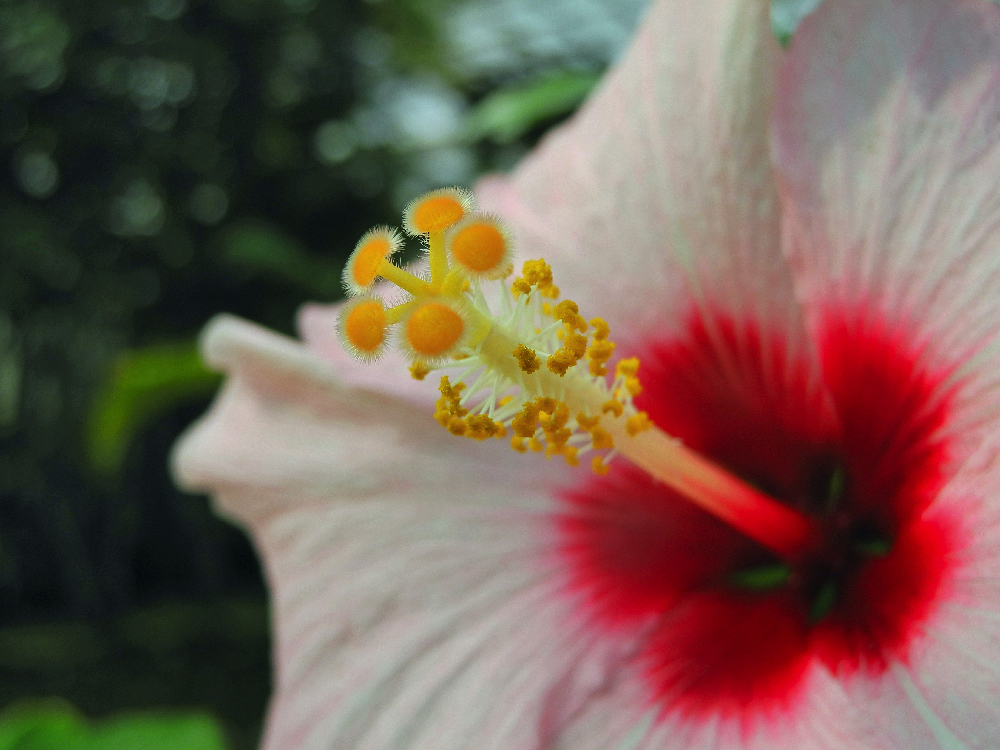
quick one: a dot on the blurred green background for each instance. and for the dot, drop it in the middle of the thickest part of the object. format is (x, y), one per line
(162, 161)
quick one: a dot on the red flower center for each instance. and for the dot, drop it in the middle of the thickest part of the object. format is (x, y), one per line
(858, 443)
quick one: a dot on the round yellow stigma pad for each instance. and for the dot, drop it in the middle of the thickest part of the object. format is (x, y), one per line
(363, 327)
(363, 266)
(434, 329)
(481, 245)
(436, 211)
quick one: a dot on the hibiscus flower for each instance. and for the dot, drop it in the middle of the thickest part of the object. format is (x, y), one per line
(802, 249)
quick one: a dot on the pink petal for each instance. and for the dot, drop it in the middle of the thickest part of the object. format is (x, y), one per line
(887, 141)
(415, 601)
(945, 696)
(286, 423)
(659, 193)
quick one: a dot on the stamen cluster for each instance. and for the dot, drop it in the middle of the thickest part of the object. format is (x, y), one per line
(537, 367)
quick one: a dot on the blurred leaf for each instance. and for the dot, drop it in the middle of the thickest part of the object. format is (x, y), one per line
(144, 383)
(786, 15)
(56, 725)
(507, 114)
(37, 725)
(47, 647)
(194, 731)
(265, 249)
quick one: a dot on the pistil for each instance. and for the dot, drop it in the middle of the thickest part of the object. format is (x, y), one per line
(537, 368)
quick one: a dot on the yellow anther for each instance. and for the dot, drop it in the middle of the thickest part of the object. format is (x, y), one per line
(519, 287)
(587, 423)
(368, 257)
(577, 344)
(449, 391)
(599, 353)
(522, 427)
(547, 309)
(437, 210)
(363, 327)
(627, 368)
(482, 246)
(601, 439)
(614, 407)
(598, 466)
(419, 371)
(546, 404)
(558, 438)
(456, 426)
(601, 329)
(570, 454)
(450, 402)
(560, 417)
(536, 445)
(601, 350)
(569, 313)
(525, 422)
(481, 427)
(518, 443)
(434, 330)
(560, 361)
(526, 358)
(572, 351)
(504, 400)
(637, 423)
(537, 272)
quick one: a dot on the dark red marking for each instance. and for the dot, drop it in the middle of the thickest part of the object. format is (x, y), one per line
(644, 559)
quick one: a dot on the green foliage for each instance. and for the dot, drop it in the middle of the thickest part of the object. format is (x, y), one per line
(32, 42)
(263, 248)
(786, 15)
(144, 384)
(508, 113)
(55, 725)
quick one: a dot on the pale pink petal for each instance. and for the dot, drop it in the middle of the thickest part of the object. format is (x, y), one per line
(400, 628)
(416, 603)
(945, 696)
(286, 422)
(887, 141)
(659, 194)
